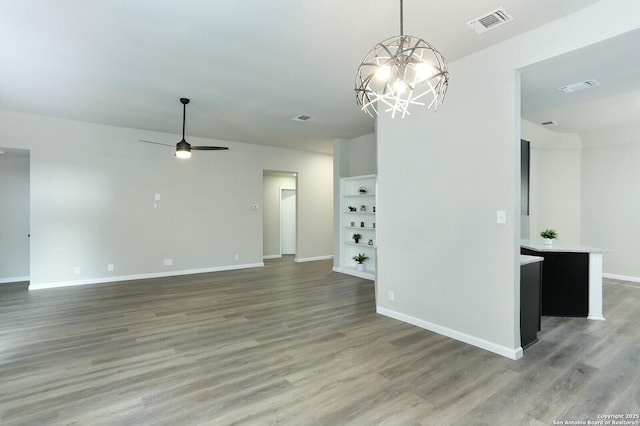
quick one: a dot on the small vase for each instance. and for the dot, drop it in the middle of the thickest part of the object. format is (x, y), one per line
(360, 267)
(548, 241)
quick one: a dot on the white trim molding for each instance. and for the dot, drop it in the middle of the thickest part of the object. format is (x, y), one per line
(313, 259)
(104, 280)
(622, 277)
(272, 256)
(510, 353)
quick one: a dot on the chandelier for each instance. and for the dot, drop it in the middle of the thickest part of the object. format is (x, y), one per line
(401, 71)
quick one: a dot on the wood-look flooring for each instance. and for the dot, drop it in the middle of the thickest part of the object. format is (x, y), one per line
(292, 344)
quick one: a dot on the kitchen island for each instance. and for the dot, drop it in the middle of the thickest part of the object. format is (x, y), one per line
(571, 278)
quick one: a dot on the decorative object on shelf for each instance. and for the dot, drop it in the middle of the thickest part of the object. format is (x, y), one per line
(374, 209)
(361, 224)
(356, 238)
(363, 208)
(374, 224)
(363, 190)
(370, 242)
(352, 209)
(353, 223)
(549, 235)
(401, 71)
(360, 258)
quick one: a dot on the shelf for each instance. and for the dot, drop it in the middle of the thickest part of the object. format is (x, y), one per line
(351, 270)
(351, 197)
(351, 243)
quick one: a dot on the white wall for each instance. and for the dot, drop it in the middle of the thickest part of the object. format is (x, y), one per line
(92, 202)
(14, 216)
(271, 210)
(452, 268)
(555, 182)
(611, 198)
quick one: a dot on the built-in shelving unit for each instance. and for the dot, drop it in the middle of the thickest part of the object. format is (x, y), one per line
(357, 216)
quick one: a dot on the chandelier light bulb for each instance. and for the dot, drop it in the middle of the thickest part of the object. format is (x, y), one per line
(399, 87)
(383, 73)
(424, 71)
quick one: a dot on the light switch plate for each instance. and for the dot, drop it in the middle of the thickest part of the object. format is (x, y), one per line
(501, 216)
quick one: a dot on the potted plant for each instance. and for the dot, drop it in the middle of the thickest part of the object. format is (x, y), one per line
(356, 237)
(360, 258)
(549, 235)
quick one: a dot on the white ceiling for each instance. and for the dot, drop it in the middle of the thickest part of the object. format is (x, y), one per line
(614, 63)
(248, 66)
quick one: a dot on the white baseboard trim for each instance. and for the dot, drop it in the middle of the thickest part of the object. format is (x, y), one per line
(272, 256)
(103, 280)
(313, 259)
(454, 334)
(13, 280)
(621, 277)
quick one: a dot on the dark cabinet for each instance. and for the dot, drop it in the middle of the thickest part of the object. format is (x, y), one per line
(530, 276)
(565, 283)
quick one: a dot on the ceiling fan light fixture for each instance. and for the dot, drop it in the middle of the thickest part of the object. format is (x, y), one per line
(183, 149)
(401, 71)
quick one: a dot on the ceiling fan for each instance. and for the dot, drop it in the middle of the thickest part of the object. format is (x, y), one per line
(183, 148)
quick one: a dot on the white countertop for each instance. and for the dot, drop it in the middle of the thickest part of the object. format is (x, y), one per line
(539, 245)
(525, 259)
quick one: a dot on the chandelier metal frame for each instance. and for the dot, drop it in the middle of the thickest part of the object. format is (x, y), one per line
(401, 71)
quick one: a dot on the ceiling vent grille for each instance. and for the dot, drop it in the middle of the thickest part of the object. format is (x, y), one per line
(587, 84)
(302, 117)
(490, 20)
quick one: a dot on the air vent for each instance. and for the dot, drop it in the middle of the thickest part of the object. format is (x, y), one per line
(302, 117)
(490, 20)
(587, 84)
(549, 123)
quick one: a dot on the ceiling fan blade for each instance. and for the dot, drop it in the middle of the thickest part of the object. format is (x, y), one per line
(156, 143)
(209, 148)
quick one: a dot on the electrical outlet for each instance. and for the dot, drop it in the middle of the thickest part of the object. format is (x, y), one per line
(76, 270)
(501, 216)
(236, 257)
(109, 267)
(167, 262)
(392, 296)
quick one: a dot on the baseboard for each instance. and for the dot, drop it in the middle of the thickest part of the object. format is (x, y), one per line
(13, 280)
(454, 334)
(272, 256)
(621, 277)
(103, 280)
(313, 259)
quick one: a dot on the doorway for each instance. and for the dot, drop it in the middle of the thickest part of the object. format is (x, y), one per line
(287, 221)
(279, 220)
(15, 223)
